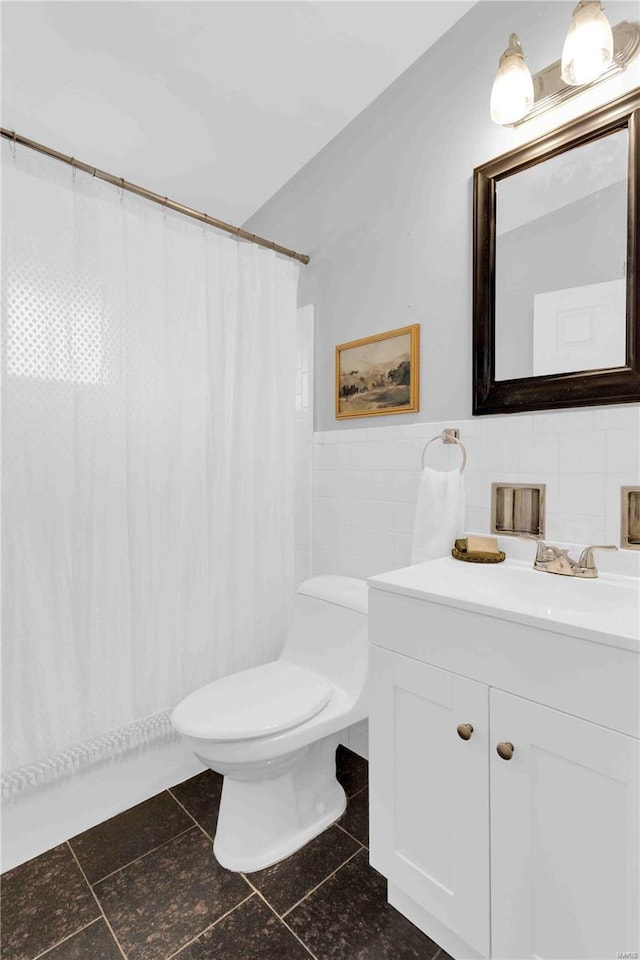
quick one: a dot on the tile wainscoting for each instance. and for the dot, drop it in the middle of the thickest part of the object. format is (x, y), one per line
(365, 482)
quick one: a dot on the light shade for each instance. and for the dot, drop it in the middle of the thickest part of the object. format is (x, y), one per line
(512, 91)
(588, 48)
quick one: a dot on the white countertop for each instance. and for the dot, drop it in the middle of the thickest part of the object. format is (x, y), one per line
(605, 609)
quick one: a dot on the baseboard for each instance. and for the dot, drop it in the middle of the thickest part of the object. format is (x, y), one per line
(45, 816)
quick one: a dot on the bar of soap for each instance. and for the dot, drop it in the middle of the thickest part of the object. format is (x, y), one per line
(482, 545)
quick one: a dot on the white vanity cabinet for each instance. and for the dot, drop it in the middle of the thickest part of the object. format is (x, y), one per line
(429, 790)
(564, 835)
(528, 854)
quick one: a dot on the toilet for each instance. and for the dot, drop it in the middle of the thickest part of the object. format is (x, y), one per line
(272, 731)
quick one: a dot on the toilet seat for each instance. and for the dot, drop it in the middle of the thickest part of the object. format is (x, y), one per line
(253, 703)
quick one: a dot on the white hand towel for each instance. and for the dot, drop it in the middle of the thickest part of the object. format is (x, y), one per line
(439, 514)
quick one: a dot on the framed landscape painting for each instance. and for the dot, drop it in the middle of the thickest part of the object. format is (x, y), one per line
(378, 375)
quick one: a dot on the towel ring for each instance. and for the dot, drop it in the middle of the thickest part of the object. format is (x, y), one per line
(448, 436)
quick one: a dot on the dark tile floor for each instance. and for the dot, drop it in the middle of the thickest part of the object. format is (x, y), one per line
(144, 885)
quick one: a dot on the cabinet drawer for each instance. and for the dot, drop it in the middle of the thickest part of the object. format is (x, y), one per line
(580, 677)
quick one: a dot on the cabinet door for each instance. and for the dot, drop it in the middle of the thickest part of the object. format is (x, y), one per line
(430, 790)
(564, 835)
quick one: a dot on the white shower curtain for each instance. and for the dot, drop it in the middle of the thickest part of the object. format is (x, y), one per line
(148, 424)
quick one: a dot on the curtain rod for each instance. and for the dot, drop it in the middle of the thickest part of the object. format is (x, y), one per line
(155, 197)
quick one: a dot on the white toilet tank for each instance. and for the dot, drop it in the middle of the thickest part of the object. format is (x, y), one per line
(328, 632)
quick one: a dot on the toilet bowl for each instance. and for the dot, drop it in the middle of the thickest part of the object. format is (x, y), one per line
(272, 731)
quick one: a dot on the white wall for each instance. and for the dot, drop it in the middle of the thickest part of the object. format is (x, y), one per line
(366, 483)
(385, 210)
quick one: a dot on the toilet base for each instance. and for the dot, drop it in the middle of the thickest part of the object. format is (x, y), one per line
(264, 820)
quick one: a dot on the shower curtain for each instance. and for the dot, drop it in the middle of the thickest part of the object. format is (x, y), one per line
(148, 423)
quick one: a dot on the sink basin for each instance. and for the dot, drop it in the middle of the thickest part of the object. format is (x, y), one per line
(606, 609)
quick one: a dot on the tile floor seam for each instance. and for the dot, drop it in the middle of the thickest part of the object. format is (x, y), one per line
(280, 919)
(354, 795)
(351, 836)
(328, 877)
(189, 814)
(136, 859)
(64, 939)
(98, 904)
(210, 927)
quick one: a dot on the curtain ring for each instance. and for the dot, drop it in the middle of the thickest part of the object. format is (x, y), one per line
(13, 144)
(73, 169)
(164, 208)
(122, 183)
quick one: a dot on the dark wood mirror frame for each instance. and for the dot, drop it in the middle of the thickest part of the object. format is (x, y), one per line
(614, 385)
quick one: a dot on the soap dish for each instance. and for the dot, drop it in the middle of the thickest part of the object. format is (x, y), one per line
(459, 552)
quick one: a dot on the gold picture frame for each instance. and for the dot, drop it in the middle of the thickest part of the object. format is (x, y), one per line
(379, 375)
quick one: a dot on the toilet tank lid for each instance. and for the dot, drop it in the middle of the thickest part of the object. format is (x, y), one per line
(344, 591)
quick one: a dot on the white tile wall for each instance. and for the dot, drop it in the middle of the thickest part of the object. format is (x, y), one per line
(304, 443)
(365, 481)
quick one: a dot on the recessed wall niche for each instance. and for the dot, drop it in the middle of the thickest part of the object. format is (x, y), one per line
(517, 509)
(630, 526)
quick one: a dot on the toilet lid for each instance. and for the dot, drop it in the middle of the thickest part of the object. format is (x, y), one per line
(253, 703)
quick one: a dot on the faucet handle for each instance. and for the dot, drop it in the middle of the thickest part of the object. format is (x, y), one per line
(586, 557)
(544, 551)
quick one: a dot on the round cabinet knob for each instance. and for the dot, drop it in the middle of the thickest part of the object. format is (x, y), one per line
(505, 750)
(464, 731)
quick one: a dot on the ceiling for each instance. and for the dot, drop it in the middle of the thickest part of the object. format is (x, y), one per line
(215, 103)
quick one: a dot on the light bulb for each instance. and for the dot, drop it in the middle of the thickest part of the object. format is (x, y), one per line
(588, 48)
(512, 91)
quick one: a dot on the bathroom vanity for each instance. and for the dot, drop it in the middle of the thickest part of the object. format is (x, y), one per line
(504, 751)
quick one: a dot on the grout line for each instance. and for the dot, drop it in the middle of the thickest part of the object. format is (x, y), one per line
(104, 916)
(363, 845)
(189, 814)
(210, 927)
(135, 860)
(357, 793)
(344, 829)
(328, 877)
(280, 919)
(64, 939)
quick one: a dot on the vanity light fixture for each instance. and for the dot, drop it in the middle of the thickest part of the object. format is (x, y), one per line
(592, 52)
(588, 48)
(512, 92)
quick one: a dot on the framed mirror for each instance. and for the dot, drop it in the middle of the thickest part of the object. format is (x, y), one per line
(556, 319)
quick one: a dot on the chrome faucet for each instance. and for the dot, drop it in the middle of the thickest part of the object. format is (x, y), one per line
(552, 559)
